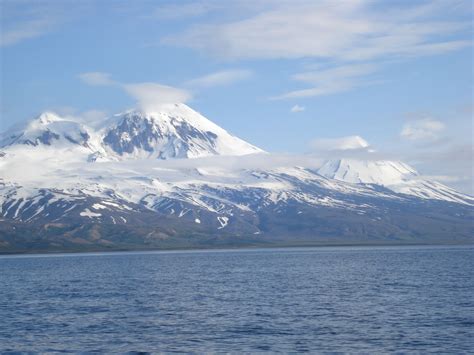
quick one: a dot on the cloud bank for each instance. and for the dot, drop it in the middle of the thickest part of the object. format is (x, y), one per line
(349, 30)
(353, 36)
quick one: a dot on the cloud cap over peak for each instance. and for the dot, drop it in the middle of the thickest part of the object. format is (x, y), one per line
(152, 96)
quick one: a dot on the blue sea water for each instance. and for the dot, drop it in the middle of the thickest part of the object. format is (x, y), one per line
(347, 299)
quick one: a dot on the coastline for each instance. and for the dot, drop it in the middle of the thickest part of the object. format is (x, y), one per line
(224, 248)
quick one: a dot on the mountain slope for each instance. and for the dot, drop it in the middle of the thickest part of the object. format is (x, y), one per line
(67, 185)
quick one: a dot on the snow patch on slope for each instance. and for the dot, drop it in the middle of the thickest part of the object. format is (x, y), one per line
(88, 213)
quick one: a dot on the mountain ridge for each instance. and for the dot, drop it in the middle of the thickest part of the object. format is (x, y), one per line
(159, 176)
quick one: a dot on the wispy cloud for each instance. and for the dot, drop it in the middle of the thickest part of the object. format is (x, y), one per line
(26, 30)
(349, 30)
(352, 36)
(220, 78)
(150, 96)
(297, 108)
(330, 81)
(97, 78)
(422, 130)
(451, 163)
(339, 144)
(28, 19)
(440, 145)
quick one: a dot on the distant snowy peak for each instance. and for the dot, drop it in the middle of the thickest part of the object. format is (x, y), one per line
(395, 176)
(382, 172)
(46, 130)
(176, 131)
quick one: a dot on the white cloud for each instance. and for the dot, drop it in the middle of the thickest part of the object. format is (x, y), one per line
(28, 19)
(450, 163)
(342, 33)
(250, 161)
(331, 80)
(339, 144)
(219, 78)
(440, 150)
(151, 96)
(423, 129)
(96, 78)
(297, 108)
(349, 30)
(317, 77)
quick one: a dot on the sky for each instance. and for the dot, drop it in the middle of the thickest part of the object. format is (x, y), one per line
(286, 76)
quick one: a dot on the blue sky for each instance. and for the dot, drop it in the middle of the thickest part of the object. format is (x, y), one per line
(280, 74)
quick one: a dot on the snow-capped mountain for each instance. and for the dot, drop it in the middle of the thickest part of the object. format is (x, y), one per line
(176, 131)
(394, 175)
(383, 172)
(119, 183)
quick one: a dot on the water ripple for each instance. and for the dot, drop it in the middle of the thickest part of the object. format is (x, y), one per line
(415, 299)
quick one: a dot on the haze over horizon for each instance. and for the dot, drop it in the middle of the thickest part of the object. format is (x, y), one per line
(289, 77)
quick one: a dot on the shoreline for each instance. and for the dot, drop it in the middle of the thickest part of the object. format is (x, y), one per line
(224, 248)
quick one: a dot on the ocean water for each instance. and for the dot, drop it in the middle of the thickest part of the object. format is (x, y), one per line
(349, 299)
